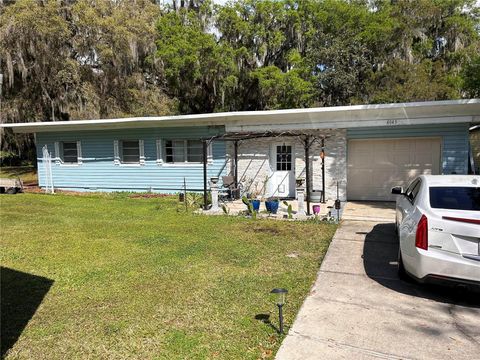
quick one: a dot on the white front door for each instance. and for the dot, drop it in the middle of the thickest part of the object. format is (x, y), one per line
(282, 165)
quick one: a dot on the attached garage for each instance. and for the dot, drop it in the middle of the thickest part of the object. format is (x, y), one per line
(375, 166)
(379, 158)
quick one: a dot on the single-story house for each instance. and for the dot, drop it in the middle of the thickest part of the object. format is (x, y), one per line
(364, 149)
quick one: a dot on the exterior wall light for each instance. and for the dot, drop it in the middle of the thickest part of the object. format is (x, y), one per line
(281, 294)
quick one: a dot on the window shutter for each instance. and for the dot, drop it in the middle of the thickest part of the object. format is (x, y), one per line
(159, 151)
(58, 156)
(79, 152)
(116, 152)
(141, 149)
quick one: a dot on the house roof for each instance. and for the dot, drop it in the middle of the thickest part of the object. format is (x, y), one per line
(429, 112)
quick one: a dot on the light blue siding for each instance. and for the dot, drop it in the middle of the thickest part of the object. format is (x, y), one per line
(98, 171)
(454, 141)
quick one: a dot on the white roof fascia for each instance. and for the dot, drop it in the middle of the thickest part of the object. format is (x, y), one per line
(449, 111)
(347, 124)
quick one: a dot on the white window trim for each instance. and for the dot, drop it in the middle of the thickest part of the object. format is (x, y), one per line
(79, 153)
(141, 146)
(183, 164)
(58, 159)
(116, 153)
(130, 165)
(210, 153)
(159, 144)
(58, 154)
(161, 154)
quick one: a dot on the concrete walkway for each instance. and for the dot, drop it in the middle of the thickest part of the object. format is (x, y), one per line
(359, 309)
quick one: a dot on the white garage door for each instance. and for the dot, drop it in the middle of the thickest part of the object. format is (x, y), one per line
(375, 166)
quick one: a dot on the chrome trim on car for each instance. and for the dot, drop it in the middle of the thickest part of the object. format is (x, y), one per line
(472, 257)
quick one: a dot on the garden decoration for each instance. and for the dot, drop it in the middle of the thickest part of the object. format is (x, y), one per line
(281, 294)
(214, 193)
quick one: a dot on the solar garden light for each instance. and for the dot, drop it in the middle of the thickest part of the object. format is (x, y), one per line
(280, 293)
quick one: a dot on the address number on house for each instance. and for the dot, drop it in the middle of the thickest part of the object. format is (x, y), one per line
(392, 122)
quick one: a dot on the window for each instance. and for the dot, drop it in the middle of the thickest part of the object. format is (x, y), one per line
(129, 152)
(410, 187)
(413, 190)
(68, 152)
(284, 157)
(181, 151)
(455, 198)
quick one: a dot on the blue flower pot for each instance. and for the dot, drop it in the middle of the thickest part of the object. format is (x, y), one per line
(255, 205)
(272, 206)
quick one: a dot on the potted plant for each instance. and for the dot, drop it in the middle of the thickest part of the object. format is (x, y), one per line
(251, 199)
(255, 204)
(272, 204)
(252, 204)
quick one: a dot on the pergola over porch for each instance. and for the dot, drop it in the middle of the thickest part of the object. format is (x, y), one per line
(306, 138)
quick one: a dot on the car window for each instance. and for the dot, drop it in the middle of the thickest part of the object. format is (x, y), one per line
(413, 190)
(455, 198)
(413, 194)
(410, 187)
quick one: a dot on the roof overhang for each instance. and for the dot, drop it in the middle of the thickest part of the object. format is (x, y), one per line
(429, 112)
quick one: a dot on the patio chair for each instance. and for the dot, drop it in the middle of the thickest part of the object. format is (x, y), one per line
(232, 190)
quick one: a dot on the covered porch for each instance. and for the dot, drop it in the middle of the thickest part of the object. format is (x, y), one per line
(269, 164)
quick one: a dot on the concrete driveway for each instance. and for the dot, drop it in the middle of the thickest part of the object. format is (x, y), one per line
(359, 309)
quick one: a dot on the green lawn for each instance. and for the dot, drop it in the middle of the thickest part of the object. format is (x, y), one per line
(140, 279)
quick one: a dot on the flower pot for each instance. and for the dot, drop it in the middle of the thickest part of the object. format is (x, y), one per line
(316, 209)
(255, 205)
(272, 206)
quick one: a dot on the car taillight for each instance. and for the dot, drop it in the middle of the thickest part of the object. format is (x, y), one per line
(421, 237)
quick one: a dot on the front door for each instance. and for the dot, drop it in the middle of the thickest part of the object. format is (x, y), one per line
(282, 165)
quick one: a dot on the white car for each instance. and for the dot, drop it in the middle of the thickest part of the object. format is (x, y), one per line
(438, 225)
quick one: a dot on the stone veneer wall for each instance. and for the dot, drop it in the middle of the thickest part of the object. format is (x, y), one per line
(254, 161)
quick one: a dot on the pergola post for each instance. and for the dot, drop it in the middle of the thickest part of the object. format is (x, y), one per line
(307, 172)
(205, 190)
(323, 170)
(235, 166)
